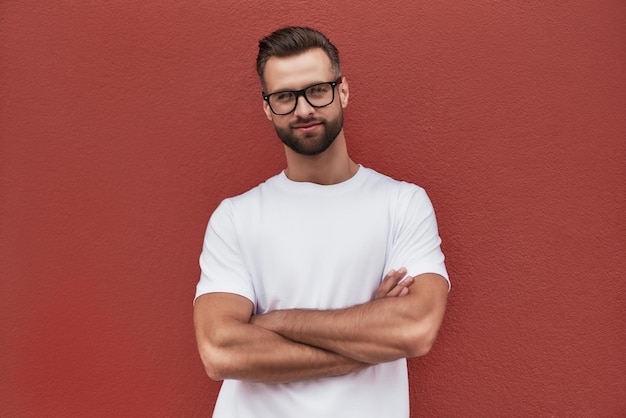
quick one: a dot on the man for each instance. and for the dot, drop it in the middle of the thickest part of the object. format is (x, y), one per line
(292, 310)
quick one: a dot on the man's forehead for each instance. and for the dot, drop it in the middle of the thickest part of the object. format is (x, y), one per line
(297, 71)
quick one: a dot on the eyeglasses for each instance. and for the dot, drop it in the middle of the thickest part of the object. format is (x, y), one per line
(317, 95)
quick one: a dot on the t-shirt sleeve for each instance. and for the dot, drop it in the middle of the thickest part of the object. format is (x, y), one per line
(222, 268)
(416, 242)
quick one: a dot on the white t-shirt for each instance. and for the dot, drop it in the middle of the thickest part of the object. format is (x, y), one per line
(287, 244)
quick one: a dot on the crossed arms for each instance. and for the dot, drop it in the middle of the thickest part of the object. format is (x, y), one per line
(401, 321)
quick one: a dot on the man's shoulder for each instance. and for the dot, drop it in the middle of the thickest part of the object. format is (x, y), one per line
(384, 181)
(254, 193)
(243, 203)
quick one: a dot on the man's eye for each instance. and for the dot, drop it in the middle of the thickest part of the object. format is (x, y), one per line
(283, 97)
(318, 89)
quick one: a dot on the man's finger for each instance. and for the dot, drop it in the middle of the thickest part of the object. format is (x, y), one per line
(401, 288)
(389, 283)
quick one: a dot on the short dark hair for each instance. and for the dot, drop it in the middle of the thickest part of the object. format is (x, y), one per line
(294, 40)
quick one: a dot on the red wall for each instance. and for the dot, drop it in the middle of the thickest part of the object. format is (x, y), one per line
(124, 123)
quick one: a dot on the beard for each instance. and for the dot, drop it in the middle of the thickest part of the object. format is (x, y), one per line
(311, 143)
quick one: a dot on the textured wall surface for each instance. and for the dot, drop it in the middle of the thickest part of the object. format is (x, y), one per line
(124, 123)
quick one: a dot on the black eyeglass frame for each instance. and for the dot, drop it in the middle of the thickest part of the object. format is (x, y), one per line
(301, 92)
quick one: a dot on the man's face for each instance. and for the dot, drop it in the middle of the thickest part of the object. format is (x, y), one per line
(307, 130)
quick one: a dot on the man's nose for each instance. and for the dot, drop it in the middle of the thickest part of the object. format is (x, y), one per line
(303, 108)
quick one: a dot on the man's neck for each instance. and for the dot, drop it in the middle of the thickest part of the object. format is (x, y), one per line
(333, 166)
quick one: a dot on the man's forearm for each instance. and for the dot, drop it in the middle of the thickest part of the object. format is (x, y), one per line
(362, 333)
(263, 356)
(233, 349)
(382, 330)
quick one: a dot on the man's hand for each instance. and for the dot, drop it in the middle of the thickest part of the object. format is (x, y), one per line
(393, 285)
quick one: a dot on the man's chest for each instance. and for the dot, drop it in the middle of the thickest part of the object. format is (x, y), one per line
(317, 257)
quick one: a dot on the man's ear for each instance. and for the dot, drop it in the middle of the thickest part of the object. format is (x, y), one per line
(266, 109)
(344, 92)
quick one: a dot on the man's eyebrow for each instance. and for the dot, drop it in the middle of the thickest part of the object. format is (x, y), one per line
(305, 87)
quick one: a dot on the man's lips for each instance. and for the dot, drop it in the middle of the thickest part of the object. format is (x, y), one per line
(306, 126)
